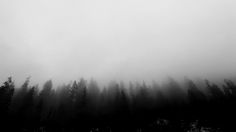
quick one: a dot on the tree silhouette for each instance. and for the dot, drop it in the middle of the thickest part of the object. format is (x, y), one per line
(92, 98)
(47, 100)
(214, 90)
(25, 112)
(19, 95)
(82, 106)
(174, 93)
(229, 88)
(81, 96)
(6, 93)
(194, 94)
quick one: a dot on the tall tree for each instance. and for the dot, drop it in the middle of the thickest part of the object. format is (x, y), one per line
(194, 94)
(6, 93)
(46, 97)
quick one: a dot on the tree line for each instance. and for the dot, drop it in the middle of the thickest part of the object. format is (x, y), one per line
(83, 105)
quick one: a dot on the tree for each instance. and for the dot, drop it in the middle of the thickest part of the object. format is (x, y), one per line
(229, 88)
(6, 93)
(26, 109)
(74, 92)
(175, 93)
(92, 97)
(18, 98)
(82, 94)
(214, 91)
(46, 92)
(46, 97)
(194, 94)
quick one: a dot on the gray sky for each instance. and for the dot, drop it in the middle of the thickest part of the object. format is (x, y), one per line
(126, 40)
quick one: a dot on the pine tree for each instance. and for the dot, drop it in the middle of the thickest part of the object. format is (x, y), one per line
(6, 93)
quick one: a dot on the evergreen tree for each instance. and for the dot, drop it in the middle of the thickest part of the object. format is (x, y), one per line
(194, 94)
(6, 93)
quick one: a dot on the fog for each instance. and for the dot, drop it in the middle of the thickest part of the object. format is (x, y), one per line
(129, 40)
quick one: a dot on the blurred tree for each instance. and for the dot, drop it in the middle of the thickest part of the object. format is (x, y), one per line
(26, 109)
(74, 91)
(194, 94)
(6, 93)
(214, 91)
(46, 92)
(18, 98)
(175, 93)
(46, 95)
(92, 97)
(82, 91)
(229, 88)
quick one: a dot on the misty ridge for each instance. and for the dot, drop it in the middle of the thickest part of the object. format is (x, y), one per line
(138, 107)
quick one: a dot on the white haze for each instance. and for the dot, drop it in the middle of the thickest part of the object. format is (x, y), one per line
(129, 40)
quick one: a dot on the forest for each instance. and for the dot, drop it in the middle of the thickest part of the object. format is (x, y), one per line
(83, 106)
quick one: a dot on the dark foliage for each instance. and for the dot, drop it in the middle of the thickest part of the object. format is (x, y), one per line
(6, 92)
(83, 106)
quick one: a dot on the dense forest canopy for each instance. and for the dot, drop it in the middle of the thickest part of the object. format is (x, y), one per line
(117, 106)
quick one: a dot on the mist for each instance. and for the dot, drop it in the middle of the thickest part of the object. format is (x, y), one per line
(129, 40)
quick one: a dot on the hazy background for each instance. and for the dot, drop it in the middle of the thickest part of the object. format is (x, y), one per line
(130, 40)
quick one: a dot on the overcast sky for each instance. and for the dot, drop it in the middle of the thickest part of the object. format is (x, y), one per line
(130, 40)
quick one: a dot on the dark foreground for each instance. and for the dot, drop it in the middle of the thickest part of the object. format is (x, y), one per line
(82, 106)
